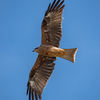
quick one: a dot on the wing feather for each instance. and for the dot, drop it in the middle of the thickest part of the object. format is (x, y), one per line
(51, 24)
(56, 4)
(29, 94)
(59, 5)
(39, 76)
(36, 96)
(32, 95)
(53, 4)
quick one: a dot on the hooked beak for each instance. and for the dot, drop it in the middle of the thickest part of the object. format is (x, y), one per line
(32, 50)
(35, 49)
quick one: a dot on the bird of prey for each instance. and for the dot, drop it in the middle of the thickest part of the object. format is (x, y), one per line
(48, 50)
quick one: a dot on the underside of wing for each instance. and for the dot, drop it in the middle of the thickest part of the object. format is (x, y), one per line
(39, 76)
(51, 24)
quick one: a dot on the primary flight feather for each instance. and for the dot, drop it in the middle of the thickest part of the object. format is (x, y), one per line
(48, 50)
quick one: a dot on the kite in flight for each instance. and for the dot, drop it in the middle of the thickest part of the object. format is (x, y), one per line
(48, 50)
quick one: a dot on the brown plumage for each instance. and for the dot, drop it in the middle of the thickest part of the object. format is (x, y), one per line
(48, 50)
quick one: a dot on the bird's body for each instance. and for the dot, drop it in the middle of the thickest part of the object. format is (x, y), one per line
(48, 50)
(51, 51)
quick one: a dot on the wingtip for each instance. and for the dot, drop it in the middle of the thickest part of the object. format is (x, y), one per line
(54, 6)
(36, 96)
(27, 88)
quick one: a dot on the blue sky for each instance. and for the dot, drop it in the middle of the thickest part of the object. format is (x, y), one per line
(20, 33)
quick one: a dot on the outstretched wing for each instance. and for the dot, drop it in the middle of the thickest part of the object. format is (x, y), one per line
(39, 76)
(51, 24)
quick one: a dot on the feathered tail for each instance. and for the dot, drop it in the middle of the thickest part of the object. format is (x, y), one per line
(70, 54)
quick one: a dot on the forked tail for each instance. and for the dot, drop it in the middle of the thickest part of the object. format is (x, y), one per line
(70, 54)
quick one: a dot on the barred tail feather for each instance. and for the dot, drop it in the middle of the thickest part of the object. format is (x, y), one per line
(70, 54)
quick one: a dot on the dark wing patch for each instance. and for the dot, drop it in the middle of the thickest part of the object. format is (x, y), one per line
(51, 24)
(39, 76)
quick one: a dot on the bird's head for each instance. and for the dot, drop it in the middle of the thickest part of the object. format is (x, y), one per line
(35, 50)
